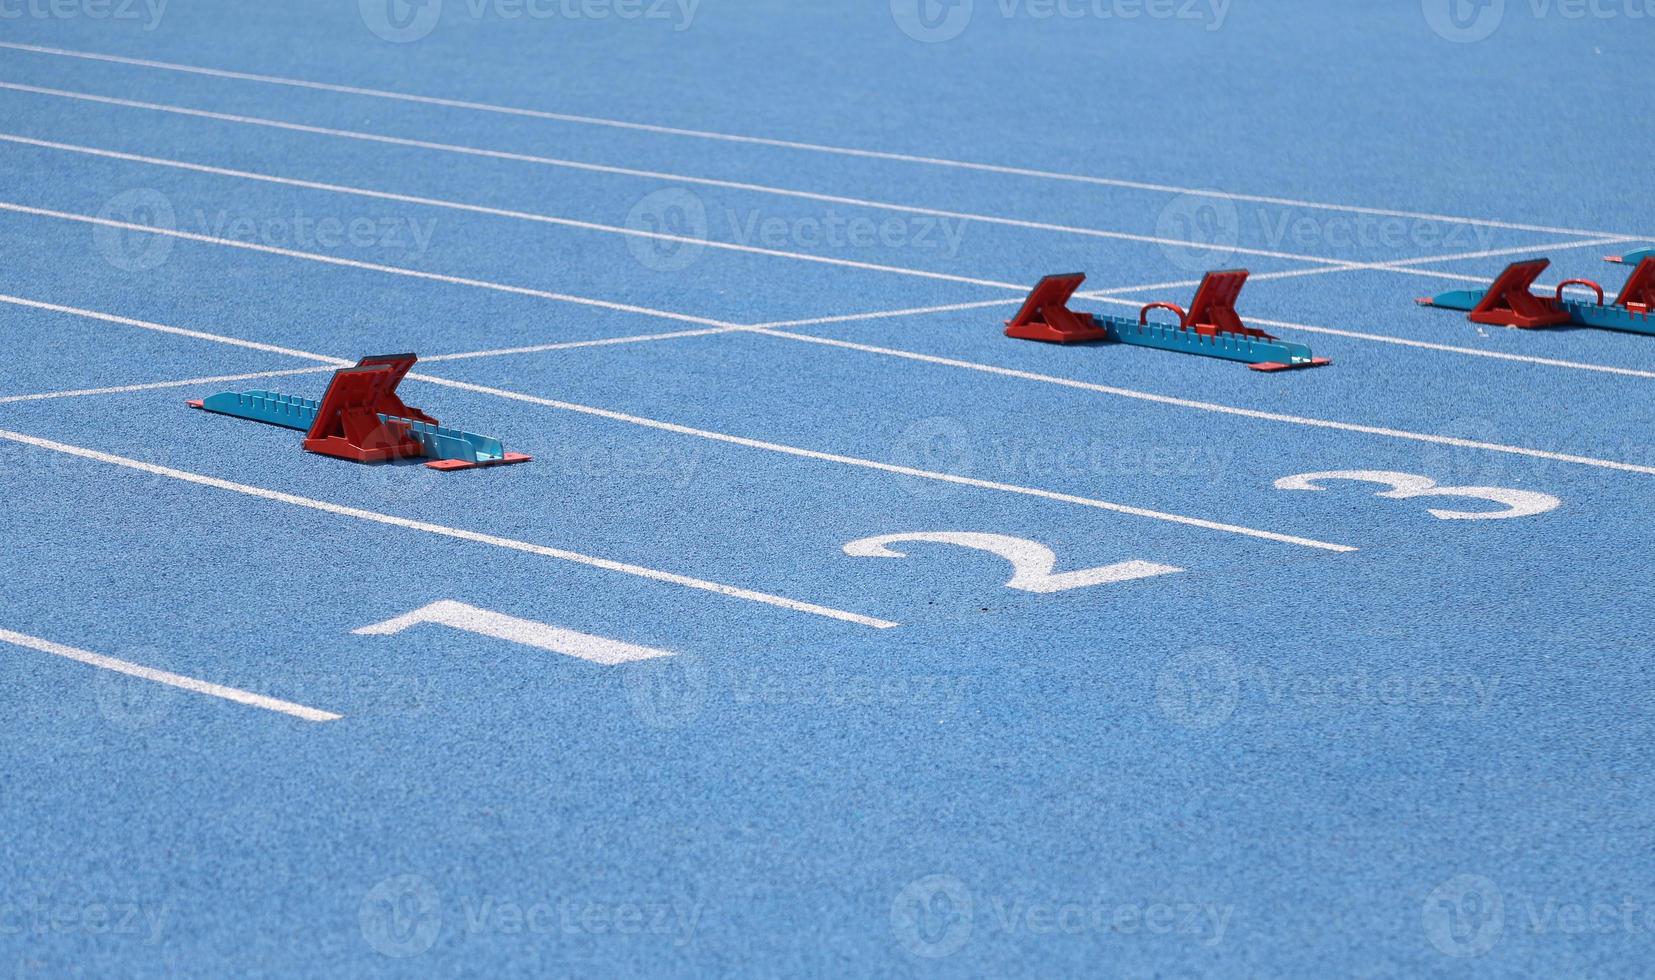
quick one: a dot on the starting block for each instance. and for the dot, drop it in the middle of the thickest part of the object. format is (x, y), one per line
(1631, 258)
(1509, 302)
(361, 418)
(1209, 328)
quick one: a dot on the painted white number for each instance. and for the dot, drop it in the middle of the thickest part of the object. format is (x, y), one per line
(499, 626)
(1518, 503)
(1031, 561)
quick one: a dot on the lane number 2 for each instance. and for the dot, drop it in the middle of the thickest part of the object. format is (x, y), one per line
(1032, 563)
(1403, 486)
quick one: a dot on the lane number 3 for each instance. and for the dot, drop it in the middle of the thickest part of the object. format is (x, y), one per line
(1403, 486)
(1033, 564)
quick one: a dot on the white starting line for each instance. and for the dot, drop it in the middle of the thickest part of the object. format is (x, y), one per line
(166, 677)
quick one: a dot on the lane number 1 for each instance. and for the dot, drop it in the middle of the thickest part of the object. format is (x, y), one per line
(499, 626)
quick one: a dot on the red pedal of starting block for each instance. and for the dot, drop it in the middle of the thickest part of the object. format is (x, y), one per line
(1510, 303)
(1639, 292)
(1046, 315)
(1213, 310)
(348, 424)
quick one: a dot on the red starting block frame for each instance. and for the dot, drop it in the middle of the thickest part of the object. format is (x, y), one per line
(1638, 295)
(348, 423)
(1046, 316)
(1213, 310)
(1510, 302)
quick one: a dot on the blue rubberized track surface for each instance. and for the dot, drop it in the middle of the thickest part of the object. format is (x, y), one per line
(1350, 737)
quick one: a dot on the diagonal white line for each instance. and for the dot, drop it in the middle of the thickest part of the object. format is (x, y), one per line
(330, 362)
(576, 344)
(354, 264)
(787, 144)
(1400, 265)
(427, 527)
(165, 677)
(1146, 396)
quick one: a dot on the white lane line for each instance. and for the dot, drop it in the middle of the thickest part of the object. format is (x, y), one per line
(424, 360)
(161, 385)
(662, 176)
(354, 264)
(536, 217)
(164, 677)
(499, 626)
(427, 527)
(857, 461)
(1210, 406)
(785, 144)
